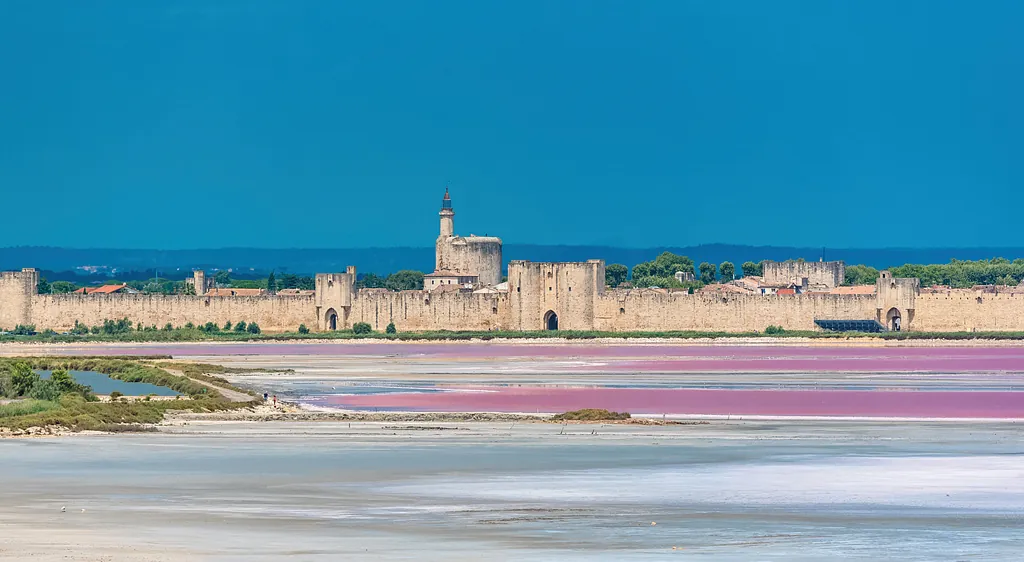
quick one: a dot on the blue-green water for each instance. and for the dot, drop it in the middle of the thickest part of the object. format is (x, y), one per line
(103, 384)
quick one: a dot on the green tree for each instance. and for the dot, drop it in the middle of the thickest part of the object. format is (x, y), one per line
(860, 275)
(727, 271)
(222, 278)
(43, 287)
(751, 269)
(707, 273)
(303, 329)
(1006, 280)
(391, 328)
(271, 284)
(227, 326)
(22, 378)
(405, 280)
(240, 327)
(63, 287)
(371, 281)
(253, 328)
(615, 274)
(64, 383)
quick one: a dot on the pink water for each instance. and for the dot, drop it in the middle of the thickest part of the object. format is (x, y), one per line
(954, 404)
(638, 360)
(625, 358)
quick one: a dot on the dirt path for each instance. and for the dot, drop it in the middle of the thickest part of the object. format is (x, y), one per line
(232, 395)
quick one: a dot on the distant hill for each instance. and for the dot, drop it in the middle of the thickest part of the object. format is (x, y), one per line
(256, 262)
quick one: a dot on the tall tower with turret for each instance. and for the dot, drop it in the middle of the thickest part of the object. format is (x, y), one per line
(447, 216)
(476, 257)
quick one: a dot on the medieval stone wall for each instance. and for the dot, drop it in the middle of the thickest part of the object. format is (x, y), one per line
(566, 289)
(647, 310)
(272, 313)
(423, 310)
(829, 274)
(16, 290)
(968, 311)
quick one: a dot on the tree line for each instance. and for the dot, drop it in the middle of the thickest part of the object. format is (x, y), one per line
(959, 274)
(661, 272)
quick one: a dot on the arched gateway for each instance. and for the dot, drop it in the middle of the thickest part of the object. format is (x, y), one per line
(331, 319)
(551, 320)
(893, 320)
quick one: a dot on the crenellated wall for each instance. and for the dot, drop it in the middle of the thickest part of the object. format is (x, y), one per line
(651, 310)
(969, 311)
(422, 310)
(827, 274)
(572, 293)
(272, 313)
(566, 289)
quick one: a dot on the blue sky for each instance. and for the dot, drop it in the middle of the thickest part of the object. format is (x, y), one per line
(337, 124)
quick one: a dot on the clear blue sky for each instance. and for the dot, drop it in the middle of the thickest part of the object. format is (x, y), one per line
(266, 123)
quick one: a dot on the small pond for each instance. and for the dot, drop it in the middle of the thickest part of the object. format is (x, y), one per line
(102, 384)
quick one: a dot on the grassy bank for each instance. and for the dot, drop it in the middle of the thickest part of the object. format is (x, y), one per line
(195, 335)
(76, 413)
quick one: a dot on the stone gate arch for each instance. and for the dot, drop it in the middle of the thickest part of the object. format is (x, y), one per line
(550, 320)
(894, 320)
(331, 319)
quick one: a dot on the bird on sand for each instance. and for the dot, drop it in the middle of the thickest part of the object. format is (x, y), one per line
(63, 509)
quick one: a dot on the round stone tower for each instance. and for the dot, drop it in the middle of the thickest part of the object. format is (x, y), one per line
(478, 256)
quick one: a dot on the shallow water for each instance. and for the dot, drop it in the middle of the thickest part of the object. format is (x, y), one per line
(739, 491)
(103, 384)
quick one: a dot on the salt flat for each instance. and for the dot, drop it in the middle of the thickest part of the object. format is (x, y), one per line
(328, 491)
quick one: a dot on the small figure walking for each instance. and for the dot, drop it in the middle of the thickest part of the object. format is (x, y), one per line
(266, 397)
(275, 400)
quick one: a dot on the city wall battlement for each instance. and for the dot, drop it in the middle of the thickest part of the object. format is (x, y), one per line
(536, 296)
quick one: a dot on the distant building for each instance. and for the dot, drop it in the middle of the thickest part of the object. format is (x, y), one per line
(106, 290)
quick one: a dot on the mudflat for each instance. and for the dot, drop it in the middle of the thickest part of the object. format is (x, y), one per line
(469, 491)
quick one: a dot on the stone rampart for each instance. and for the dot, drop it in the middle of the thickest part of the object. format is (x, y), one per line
(647, 310)
(968, 311)
(16, 290)
(826, 274)
(272, 313)
(423, 310)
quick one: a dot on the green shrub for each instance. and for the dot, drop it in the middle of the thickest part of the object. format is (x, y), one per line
(26, 407)
(227, 326)
(240, 327)
(362, 328)
(253, 328)
(115, 395)
(391, 328)
(774, 330)
(303, 329)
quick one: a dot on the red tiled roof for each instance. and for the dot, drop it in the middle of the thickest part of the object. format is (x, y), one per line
(104, 290)
(786, 292)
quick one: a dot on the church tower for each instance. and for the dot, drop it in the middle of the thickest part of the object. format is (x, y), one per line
(447, 216)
